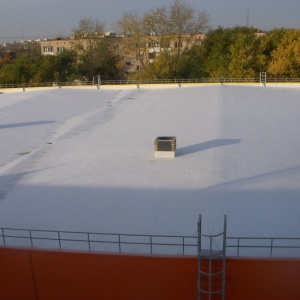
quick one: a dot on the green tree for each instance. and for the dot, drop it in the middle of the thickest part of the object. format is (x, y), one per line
(264, 47)
(66, 66)
(216, 52)
(230, 52)
(242, 53)
(47, 67)
(96, 54)
(59, 68)
(20, 71)
(99, 60)
(192, 64)
(286, 57)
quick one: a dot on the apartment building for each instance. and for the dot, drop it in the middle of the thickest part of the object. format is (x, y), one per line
(55, 46)
(153, 44)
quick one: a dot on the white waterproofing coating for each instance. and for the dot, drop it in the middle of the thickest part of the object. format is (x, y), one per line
(83, 160)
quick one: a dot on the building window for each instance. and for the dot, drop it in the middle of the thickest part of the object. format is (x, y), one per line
(178, 44)
(48, 50)
(60, 49)
(153, 44)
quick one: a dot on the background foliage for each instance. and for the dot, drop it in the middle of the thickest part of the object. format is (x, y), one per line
(238, 52)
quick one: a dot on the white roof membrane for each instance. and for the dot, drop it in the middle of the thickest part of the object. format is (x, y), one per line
(83, 160)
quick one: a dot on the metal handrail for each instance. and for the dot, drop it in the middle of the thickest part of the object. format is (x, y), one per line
(45, 84)
(153, 244)
(90, 238)
(151, 81)
(270, 245)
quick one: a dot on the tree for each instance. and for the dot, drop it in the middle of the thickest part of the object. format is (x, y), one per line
(157, 27)
(174, 27)
(242, 53)
(87, 34)
(101, 59)
(192, 64)
(185, 23)
(180, 23)
(96, 54)
(5, 58)
(286, 57)
(59, 68)
(47, 68)
(216, 52)
(264, 47)
(20, 71)
(230, 52)
(131, 26)
(88, 28)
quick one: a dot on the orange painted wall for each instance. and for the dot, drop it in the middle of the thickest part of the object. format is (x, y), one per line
(73, 275)
(260, 279)
(40, 274)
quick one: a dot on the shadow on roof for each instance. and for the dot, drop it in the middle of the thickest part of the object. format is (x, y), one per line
(13, 125)
(206, 145)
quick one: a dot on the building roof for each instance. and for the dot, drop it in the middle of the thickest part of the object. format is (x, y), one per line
(83, 160)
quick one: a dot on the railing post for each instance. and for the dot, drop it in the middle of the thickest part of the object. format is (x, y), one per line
(31, 242)
(3, 236)
(199, 256)
(271, 250)
(210, 269)
(224, 258)
(119, 236)
(151, 244)
(59, 240)
(89, 242)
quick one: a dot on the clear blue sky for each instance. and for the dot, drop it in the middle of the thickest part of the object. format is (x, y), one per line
(48, 18)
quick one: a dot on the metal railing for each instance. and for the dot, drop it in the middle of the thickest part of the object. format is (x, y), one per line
(45, 84)
(152, 82)
(263, 246)
(179, 81)
(145, 244)
(87, 241)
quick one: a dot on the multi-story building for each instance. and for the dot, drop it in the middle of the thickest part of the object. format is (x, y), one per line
(133, 56)
(55, 46)
(153, 44)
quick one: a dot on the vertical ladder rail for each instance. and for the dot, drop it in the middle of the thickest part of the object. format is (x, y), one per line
(263, 78)
(211, 265)
(224, 258)
(199, 260)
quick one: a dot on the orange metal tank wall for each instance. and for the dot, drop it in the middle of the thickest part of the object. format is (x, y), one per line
(40, 274)
(262, 279)
(34, 274)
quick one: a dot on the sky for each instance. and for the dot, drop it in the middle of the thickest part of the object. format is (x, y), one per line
(30, 19)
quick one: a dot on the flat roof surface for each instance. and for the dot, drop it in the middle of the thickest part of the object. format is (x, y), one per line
(83, 160)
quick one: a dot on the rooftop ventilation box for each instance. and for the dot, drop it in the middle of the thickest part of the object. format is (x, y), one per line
(165, 147)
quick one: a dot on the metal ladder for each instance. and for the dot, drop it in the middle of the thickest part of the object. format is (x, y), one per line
(263, 78)
(211, 264)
